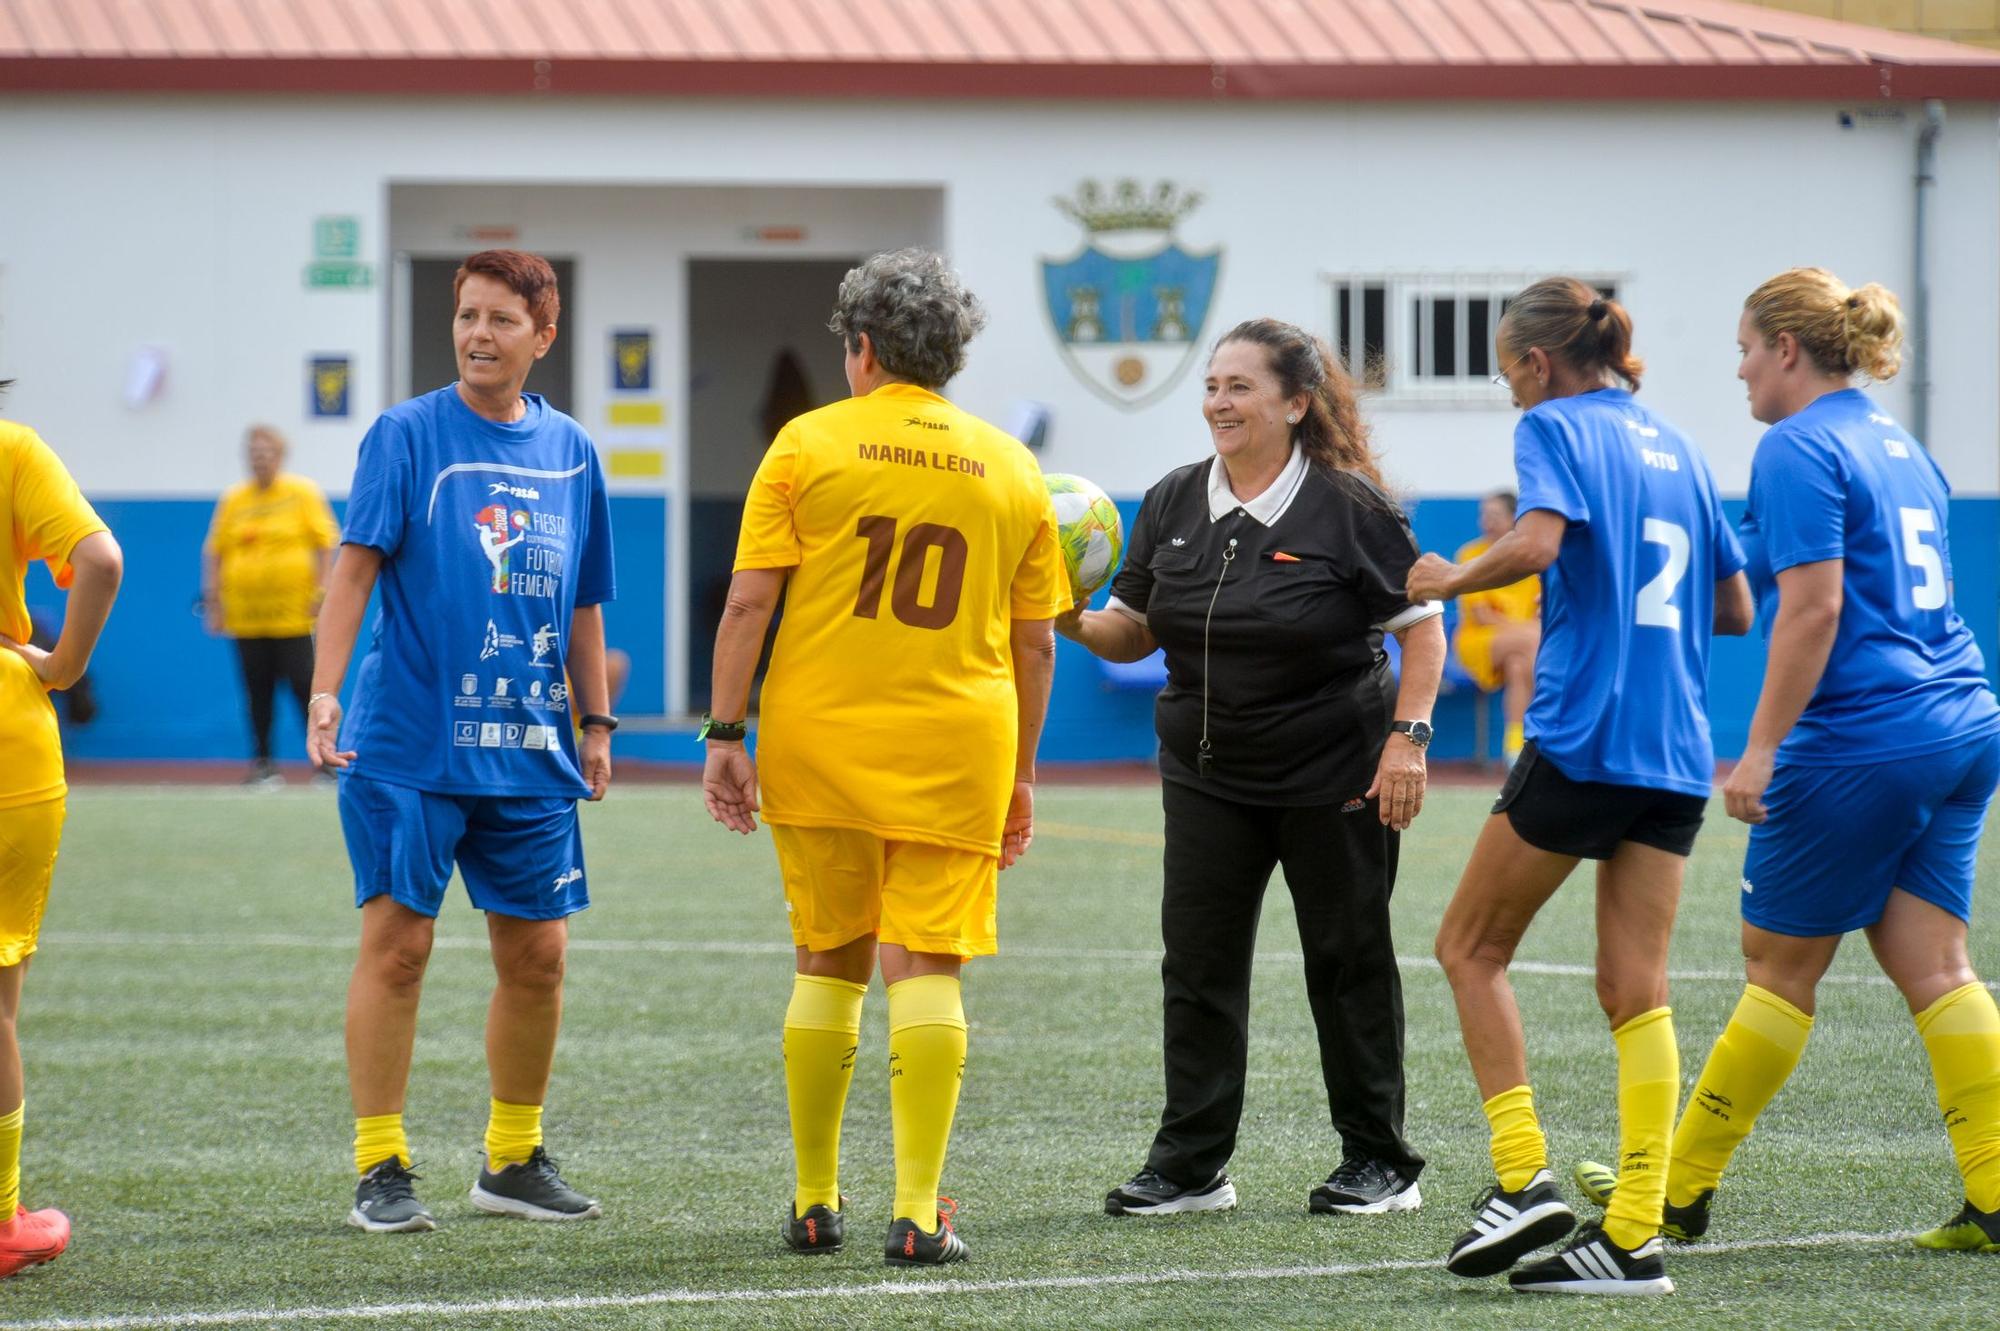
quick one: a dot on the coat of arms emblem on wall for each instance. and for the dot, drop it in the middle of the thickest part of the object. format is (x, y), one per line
(1129, 307)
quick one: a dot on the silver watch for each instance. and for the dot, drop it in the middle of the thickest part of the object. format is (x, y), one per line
(1418, 732)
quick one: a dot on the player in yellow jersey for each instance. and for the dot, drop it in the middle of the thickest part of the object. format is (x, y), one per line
(900, 716)
(263, 571)
(1499, 631)
(42, 516)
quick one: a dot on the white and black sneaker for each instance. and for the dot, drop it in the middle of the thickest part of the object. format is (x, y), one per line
(1507, 1226)
(1149, 1192)
(1364, 1187)
(532, 1190)
(1593, 1264)
(386, 1203)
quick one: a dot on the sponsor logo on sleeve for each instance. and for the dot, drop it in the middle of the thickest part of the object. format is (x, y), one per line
(536, 737)
(510, 736)
(489, 734)
(465, 734)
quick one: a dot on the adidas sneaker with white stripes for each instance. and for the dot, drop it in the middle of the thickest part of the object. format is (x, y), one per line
(1593, 1264)
(1507, 1226)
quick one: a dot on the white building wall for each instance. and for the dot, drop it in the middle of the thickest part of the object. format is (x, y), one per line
(185, 223)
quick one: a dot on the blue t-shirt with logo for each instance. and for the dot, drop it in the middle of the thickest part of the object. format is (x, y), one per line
(1628, 608)
(1841, 480)
(492, 535)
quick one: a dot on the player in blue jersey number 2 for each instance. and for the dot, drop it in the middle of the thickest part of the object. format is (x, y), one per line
(480, 512)
(1619, 514)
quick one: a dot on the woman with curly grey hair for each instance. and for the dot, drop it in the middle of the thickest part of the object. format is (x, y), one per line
(899, 720)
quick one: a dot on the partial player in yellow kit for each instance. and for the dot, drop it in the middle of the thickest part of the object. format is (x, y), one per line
(42, 516)
(899, 719)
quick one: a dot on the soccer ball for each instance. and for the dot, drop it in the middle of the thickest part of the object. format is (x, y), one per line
(1088, 529)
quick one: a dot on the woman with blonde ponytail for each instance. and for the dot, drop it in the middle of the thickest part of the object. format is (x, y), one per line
(1874, 749)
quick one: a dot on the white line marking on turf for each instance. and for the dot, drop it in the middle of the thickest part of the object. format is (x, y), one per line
(732, 948)
(908, 1289)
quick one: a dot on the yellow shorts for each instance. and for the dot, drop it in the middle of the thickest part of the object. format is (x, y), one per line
(1475, 652)
(29, 835)
(842, 884)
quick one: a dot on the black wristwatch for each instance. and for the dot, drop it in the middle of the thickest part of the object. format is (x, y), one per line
(733, 731)
(1418, 732)
(609, 723)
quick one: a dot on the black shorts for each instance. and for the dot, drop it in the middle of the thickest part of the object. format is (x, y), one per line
(1588, 819)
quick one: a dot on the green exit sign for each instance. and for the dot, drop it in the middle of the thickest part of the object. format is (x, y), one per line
(336, 237)
(340, 273)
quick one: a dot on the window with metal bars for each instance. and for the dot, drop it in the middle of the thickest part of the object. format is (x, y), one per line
(1425, 336)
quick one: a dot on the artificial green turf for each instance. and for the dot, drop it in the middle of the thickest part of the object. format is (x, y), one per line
(188, 1106)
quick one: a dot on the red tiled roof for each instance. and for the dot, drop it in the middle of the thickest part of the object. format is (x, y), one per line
(1179, 49)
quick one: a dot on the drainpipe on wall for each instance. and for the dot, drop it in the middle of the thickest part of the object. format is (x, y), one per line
(1920, 302)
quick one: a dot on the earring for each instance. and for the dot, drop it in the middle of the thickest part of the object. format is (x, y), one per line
(1291, 420)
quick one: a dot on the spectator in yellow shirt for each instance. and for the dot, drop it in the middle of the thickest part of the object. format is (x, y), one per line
(1499, 631)
(42, 516)
(264, 569)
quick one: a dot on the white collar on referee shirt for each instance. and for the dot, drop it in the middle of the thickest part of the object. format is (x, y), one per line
(1267, 507)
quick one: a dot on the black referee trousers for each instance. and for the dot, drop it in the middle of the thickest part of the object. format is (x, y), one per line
(1340, 868)
(266, 662)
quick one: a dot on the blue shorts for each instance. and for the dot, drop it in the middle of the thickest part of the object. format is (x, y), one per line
(1839, 839)
(521, 856)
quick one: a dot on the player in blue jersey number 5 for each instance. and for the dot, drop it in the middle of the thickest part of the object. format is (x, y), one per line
(1619, 514)
(480, 512)
(1873, 752)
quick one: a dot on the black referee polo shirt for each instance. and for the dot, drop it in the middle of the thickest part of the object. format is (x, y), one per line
(1299, 693)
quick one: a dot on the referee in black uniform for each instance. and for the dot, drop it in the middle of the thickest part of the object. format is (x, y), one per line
(1269, 574)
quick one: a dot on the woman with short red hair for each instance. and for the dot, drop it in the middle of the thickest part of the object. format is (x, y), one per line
(481, 511)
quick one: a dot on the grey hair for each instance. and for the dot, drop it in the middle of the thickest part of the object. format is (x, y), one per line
(914, 309)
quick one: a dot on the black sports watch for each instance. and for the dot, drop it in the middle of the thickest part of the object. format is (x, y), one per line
(609, 723)
(732, 731)
(1419, 732)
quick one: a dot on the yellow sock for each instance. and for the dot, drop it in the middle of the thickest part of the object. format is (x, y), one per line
(1752, 1058)
(1519, 1149)
(10, 1162)
(512, 1134)
(822, 1031)
(926, 1065)
(1649, 1086)
(378, 1138)
(1962, 1034)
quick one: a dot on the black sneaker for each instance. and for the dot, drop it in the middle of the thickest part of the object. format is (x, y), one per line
(1364, 1187)
(1149, 1192)
(1682, 1224)
(1971, 1230)
(1593, 1264)
(385, 1203)
(820, 1229)
(532, 1190)
(910, 1246)
(1507, 1226)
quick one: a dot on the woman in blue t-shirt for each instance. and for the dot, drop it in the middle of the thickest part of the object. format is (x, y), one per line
(1619, 514)
(1874, 750)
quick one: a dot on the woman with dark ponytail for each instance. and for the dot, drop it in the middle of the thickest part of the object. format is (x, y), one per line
(1620, 515)
(1269, 573)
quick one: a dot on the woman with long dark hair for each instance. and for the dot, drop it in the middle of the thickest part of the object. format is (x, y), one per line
(1269, 573)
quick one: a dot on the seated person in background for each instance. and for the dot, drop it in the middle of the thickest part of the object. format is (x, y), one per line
(1499, 631)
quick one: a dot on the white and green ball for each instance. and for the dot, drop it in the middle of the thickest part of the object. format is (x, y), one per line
(1088, 528)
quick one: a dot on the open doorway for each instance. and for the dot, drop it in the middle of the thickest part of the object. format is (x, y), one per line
(759, 353)
(433, 362)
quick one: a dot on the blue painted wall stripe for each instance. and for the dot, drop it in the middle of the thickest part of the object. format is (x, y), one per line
(168, 690)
